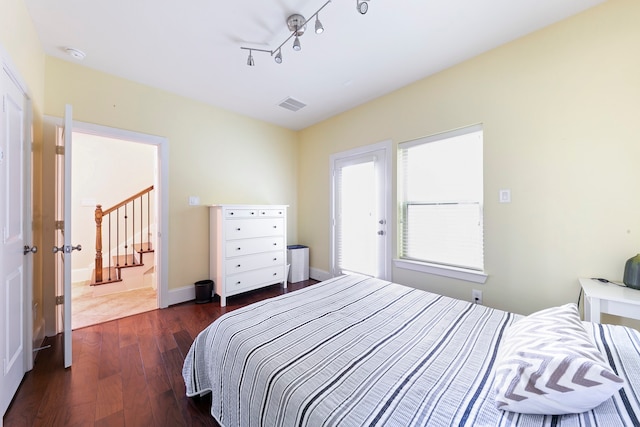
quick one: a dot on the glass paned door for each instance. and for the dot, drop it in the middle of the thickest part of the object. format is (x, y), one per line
(360, 242)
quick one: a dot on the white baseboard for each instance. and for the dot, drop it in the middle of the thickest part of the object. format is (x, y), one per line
(180, 295)
(81, 275)
(318, 274)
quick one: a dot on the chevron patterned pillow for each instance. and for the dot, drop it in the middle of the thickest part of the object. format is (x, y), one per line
(547, 364)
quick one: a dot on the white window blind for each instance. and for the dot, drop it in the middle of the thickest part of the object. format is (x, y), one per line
(441, 199)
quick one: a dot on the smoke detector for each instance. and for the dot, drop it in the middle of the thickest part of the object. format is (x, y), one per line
(75, 53)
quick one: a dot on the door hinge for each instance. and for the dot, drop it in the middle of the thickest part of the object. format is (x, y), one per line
(60, 300)
(59, 225)
(60, 149)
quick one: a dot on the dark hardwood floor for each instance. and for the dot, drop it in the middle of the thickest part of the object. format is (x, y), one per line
(124, 372)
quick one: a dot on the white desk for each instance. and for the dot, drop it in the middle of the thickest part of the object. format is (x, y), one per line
(609, 298)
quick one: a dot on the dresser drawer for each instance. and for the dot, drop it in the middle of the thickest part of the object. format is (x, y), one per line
(241, 282)
(241, 213)
(254, 262)
(248, 228)
(254, 246)
(271, 212)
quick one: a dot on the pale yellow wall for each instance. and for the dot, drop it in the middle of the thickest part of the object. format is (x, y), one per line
(19, 39)
(219, 156)
(561, 116)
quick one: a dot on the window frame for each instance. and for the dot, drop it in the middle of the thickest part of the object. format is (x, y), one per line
(476, 275)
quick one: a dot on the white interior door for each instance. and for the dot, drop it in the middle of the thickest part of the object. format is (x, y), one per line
(360, 211)
(15, 252)
(64, 247)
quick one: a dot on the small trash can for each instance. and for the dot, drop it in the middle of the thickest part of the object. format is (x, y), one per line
(204, 291)
(298, 258)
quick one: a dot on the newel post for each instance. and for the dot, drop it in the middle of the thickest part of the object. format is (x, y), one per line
(98, 243)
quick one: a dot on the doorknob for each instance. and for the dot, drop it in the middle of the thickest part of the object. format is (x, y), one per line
(30, 249)
(66, 249)
(380, 233)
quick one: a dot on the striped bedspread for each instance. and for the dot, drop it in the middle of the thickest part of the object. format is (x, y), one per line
(357, 351)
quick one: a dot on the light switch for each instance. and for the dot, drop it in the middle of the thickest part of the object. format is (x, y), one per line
(194, 200)
(505, 196)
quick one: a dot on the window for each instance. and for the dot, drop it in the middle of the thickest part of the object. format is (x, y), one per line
(441, 200)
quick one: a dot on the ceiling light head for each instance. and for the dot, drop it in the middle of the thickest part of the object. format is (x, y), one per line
(362, 6)
(75, 53)
(319, 27)
(296, 44)
(250, 61)
(278, 57)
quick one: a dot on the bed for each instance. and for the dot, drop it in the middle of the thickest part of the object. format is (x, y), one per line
(358, 351)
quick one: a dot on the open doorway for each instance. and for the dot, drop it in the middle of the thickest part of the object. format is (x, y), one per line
(117, 175)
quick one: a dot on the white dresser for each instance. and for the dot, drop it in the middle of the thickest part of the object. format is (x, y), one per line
(248, 247)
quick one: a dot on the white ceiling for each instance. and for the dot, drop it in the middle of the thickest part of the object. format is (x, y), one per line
(192, 48)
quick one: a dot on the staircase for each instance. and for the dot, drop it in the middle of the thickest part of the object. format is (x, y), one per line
(114, 273)
(127, 246)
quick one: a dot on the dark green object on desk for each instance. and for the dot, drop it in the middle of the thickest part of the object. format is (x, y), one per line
(632, 272)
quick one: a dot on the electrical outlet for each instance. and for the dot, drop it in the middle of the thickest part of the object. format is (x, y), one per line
(476, 296)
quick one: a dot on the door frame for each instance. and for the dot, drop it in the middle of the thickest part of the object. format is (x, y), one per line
(385, 146)
(161, 184)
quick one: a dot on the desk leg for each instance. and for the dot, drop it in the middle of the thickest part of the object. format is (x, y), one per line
(587, 308)
(594, 310)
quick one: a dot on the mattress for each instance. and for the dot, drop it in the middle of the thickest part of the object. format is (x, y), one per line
(358, 351)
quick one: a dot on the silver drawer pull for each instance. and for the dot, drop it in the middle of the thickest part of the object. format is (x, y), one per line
(238, 229)
(275, 274)
(237, 249)
(238, 282)
(275, 259)
(275, 226)
(275, 244)
(238, 266)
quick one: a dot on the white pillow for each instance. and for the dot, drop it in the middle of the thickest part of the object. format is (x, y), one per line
(547, 364)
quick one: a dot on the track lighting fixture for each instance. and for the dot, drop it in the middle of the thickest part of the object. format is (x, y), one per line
(297, 25)
(319, 27)
(362, 6)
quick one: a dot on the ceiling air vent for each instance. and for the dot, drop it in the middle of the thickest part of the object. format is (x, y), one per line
(292, 104)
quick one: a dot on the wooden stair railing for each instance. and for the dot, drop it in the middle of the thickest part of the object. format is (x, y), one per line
(141, 247)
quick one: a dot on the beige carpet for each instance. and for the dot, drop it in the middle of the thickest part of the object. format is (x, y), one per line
(87, 309)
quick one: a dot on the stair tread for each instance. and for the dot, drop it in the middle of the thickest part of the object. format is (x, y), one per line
(144, 247)
(126, 261)
(105, 276)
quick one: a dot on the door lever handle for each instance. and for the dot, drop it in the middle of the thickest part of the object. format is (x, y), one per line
(30, 249)
(66, 249)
